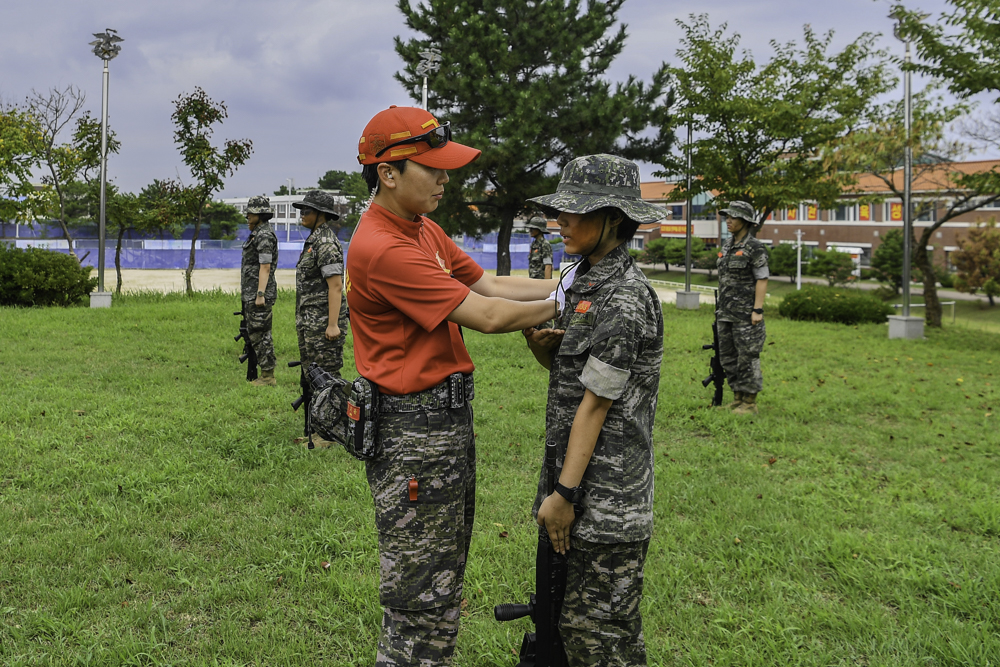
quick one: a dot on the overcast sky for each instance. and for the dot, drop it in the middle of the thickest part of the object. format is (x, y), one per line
(302, 77)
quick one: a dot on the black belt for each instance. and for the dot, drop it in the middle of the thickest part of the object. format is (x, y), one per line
(457, 390)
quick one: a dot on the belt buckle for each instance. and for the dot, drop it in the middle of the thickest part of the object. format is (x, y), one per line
(456, 391)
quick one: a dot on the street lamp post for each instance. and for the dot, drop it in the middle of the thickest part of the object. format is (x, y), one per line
(688, 300)
(430, 62)
(906, 326)
(106, 48)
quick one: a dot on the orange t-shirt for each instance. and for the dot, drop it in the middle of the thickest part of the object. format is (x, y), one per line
(403, 278)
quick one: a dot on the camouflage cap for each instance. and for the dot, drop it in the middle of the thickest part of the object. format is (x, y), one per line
(595, 181)
(537, 222)
(259, 204)
(321, 201)
(741, 210)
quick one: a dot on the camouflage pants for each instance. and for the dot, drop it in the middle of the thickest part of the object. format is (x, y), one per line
(313, 345)
(259, 328)
(740, 344)
(423, 544)
(601, 625)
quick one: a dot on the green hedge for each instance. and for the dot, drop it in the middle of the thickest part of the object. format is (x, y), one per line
(825, 304)
(34, 277)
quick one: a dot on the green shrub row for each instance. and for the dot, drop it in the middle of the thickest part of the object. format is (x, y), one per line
(34, 277)
(824, 304)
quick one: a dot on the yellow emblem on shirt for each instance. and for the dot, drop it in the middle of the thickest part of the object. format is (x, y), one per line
(347, 281)
(441, 262)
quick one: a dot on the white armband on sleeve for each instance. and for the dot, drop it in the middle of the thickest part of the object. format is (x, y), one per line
(603, 379)
(331, 270)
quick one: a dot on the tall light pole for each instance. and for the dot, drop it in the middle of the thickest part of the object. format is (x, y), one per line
(106, 48)
(906, 326)
(430, 62)
(688, 300)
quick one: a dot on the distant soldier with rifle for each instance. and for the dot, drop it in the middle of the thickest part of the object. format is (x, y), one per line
(258, 289)
(540, 253)
(595, 493)
(321, 317)
(739, 308)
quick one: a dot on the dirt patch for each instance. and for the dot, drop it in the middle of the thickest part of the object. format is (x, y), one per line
(172, 280)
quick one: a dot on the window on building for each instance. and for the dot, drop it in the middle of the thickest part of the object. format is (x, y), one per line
(927, 210)
(279, 211)
(635, 243)
(843, 212)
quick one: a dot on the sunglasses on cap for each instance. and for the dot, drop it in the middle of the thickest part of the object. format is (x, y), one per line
(435, 138)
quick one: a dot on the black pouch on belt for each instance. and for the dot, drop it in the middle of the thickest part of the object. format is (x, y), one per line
(362, 424)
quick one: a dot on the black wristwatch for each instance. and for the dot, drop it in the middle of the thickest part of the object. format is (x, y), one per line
(260, 294)
(759, 311)
(574, 495)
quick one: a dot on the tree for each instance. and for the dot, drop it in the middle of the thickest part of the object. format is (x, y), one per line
(194, 118)
(783, 260)
(356, 191)
(978, 261)
(333, 180)
(760, 128)
(77, 159)
(707, 260)
(284, 190)
(655, 253)
(962, 49)
(887, 262)
(944, 189)
(528, 85)
(835, 266)
(223, 220)
(20, 144)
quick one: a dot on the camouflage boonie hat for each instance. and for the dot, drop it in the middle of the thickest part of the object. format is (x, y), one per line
(741, 210)
(537, 222)
(259, 204)
(595, 181)
(321, 201)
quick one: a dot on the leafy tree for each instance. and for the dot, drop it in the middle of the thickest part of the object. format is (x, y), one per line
(655, 252)
(887, 262)
(707, 260)
(978, 261)
(195, 117)
(835, 266)
(947, 190)
(333, 180)
(283, 190)
(77, 159)
(223, 220)
(783, 261)
(356, 191)
(963, 48)
(526, 81)
(759, 128)
(20, 143)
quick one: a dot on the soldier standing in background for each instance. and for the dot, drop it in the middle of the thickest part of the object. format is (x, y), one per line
(540, 254)
(743, 274)
(604, 378)
(321, 317)
(257, 285)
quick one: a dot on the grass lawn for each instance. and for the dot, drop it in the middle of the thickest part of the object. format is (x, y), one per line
(154, 509)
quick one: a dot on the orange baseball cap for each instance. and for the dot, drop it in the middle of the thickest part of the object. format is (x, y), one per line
(411, 133)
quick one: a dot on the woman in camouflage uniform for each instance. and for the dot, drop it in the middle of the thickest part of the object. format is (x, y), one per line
(540, 254)
(603, 383)
(257, 286)
(321, 318)
(743, 274)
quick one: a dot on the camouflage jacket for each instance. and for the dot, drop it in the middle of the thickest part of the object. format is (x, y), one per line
(741, 265)
(613, 346)
(322, 257)
(261, 247)
(539, 256)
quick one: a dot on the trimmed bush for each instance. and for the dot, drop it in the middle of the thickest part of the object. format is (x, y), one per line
(34, 277)
(823, 304)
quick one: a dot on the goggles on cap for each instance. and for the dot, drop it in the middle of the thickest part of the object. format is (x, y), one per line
(435, 138)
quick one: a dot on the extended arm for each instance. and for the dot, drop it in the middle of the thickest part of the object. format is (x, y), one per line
(556, 513)
(336, 287)
(760, 293)
(495, 315)
(513, 287)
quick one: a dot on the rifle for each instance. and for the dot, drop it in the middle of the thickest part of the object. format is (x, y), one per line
(715, 363)
(248, 355)
(543, 647)
(305, 398)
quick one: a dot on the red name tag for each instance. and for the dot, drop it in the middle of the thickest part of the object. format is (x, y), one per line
(739, 253)
(583, 306)
(353, 411)
(720, 254)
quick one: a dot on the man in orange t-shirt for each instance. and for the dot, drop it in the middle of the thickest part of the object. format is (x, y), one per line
(410, 288)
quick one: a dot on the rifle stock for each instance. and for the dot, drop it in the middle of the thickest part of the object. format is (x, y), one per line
(718, 374)
(249, 355)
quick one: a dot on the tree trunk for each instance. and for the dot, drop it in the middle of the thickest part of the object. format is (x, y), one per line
(118, 259)
(194, 240)
(503, 242)
(932, 305)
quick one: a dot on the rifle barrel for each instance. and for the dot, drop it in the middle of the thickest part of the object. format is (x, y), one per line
(511, 612)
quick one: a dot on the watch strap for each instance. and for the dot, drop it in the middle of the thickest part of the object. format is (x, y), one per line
(759, 311)
(571, 495)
